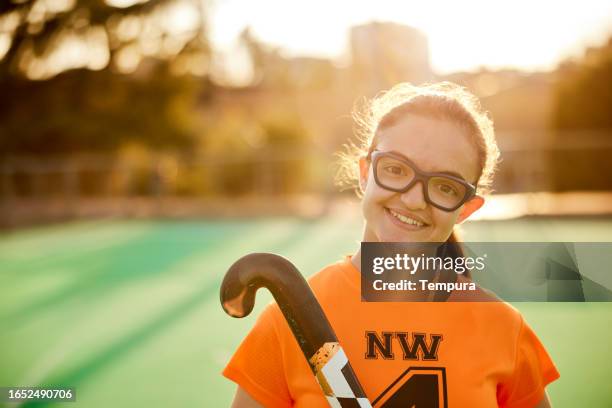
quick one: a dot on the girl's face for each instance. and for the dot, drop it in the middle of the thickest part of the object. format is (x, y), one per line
(434, 145)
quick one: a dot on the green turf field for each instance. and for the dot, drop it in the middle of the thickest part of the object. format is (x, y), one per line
(128, 311)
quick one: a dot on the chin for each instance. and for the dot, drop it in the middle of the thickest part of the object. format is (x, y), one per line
(393, 235)
(404, 238)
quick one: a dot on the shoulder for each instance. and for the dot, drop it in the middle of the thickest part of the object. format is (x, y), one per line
(323, 284)
(334, 272)
(335, 283)
(490, 305)
(334, 287)
(484, 308)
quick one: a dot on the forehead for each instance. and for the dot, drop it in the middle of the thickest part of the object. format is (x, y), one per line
(432, 144)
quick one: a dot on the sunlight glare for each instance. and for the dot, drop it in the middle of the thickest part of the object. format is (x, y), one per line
(462, 35)
(5, 43)
(59, 6)
(124, 3)
(73, 51)
(179, 17)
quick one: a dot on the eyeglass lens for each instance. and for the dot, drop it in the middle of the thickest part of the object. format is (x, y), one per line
(396, 174)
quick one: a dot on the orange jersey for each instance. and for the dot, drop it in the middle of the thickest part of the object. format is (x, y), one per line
(404, 354)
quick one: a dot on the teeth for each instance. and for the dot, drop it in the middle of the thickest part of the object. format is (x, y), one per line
(405, 219)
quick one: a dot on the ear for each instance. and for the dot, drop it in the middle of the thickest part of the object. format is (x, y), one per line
(364, 172)
(470, 207)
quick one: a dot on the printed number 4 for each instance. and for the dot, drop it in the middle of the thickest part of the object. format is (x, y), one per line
(418, 387)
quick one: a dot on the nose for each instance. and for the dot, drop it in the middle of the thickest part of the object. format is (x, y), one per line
(414, 199)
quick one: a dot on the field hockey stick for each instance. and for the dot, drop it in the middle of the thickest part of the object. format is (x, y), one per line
(305, 317)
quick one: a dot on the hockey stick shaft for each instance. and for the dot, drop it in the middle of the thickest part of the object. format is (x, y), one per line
(305, 317)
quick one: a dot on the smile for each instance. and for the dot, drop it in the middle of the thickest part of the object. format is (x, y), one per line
(404, 219)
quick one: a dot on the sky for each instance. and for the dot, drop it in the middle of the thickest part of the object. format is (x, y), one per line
(463, 35)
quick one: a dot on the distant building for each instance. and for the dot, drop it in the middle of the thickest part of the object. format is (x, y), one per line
(310, 72)
(386, 53)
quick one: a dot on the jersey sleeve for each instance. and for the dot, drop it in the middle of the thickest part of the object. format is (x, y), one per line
(533, 370)
(257, 364)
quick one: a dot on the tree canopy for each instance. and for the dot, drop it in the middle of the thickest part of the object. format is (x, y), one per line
(42, 38)
(584, 91)
(90, 75)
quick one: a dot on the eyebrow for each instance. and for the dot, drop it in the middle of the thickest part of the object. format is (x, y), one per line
(447, 172)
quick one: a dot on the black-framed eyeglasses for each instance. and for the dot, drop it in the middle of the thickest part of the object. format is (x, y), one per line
(395, 172)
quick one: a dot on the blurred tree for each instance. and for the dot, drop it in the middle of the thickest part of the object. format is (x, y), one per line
(82, 110)
(583, 122)
(270, 69)
(89, 75)
(584, 91)
(41, 38)
(287, 149)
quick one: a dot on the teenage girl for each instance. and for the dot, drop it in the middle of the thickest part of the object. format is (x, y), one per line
(427, 155)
